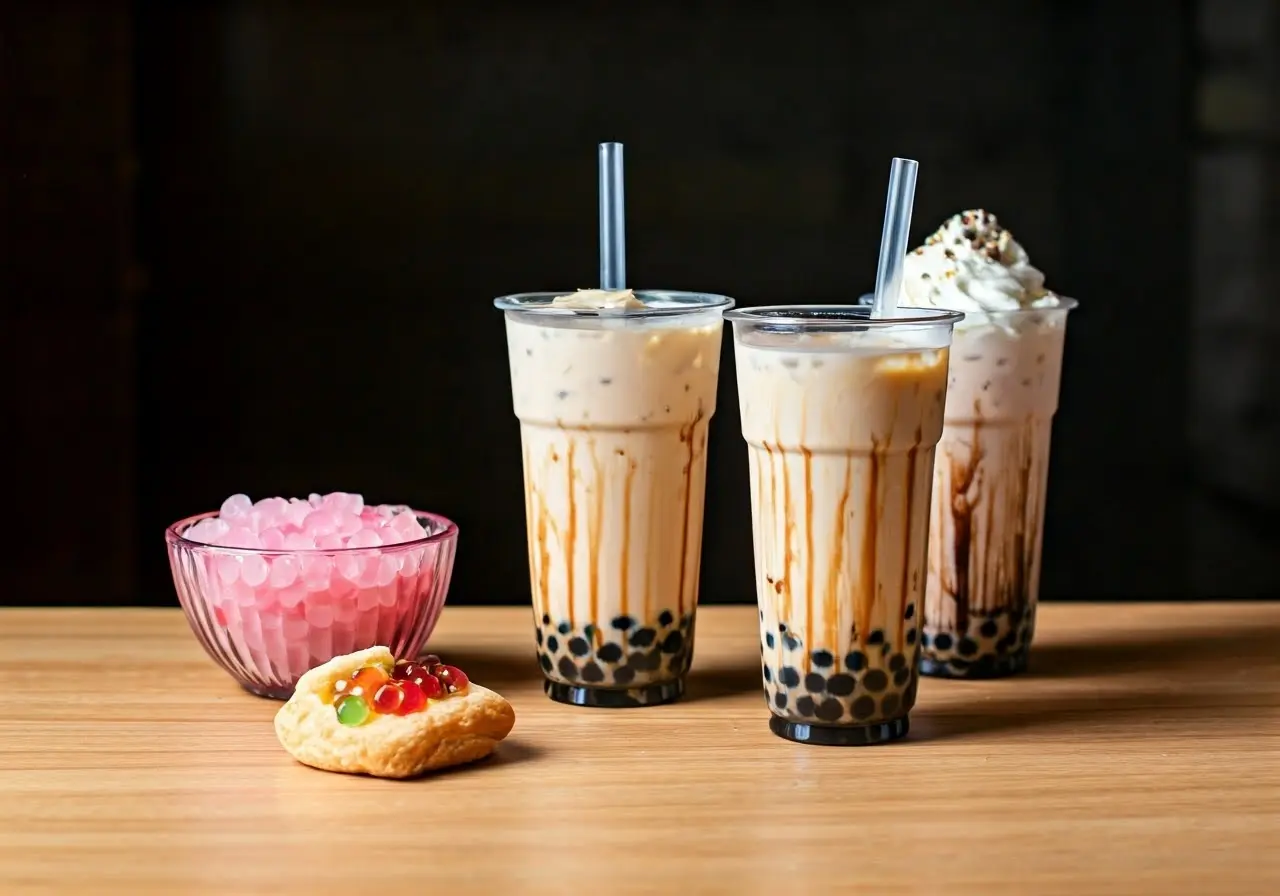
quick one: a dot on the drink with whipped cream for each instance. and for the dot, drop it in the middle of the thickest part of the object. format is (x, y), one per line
(841, 414)
(992, 467)
(615, 393)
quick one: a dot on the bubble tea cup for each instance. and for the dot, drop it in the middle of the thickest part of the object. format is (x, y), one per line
(841, 414)
(614, 391)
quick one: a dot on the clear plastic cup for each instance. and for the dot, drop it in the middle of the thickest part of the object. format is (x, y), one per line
(990, 481)
(614, 408)
(841, 413)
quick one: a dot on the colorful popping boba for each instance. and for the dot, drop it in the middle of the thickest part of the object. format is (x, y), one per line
(400, 690)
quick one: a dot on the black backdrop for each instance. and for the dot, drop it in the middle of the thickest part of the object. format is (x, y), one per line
(329, 196)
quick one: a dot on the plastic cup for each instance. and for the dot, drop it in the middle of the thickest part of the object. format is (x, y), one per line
(990, 480)
(614, 408)
(841, 413)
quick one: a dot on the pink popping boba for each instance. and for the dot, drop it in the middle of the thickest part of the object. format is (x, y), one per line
(274, 587)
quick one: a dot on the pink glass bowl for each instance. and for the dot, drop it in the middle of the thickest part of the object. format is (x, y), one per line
(313, 605)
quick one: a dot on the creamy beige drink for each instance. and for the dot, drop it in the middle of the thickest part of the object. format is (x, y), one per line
(840, 415)
(993, 459)
(615, 393)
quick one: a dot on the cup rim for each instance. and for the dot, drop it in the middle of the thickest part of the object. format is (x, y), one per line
(539, 303)
(449, 532)
(1065, 304)
(813, 316)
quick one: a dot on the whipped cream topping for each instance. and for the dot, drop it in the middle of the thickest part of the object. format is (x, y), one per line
(972, 264)
(599, 300)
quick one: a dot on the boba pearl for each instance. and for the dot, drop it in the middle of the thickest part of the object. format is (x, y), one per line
(413, 699)
(388, 698)
(366, 681)
(352, 710)
(453, 678)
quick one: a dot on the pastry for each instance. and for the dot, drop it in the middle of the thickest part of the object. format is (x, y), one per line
(366, 713)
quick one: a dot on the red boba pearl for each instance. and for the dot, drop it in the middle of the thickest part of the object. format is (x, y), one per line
(388, 699)
(413, 700)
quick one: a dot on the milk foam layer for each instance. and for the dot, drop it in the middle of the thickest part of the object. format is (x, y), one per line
(841, 444)
(599, 299)
(614, 423)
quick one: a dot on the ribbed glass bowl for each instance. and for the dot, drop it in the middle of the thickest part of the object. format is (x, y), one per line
(311, 605)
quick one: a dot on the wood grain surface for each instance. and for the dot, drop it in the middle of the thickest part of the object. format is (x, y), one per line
(1140, 755)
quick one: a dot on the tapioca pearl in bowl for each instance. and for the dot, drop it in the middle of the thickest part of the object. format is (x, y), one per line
(274, 587)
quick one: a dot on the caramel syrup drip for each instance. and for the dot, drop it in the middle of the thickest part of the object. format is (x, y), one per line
(907, 596)
(831, 601)
(571, 532)
(624, 577)
(595, 526)
(687, 439)
(870, 539)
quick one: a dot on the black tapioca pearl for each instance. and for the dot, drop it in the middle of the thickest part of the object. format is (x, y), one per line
(789, 677)
(592, 673)
(790, 641)
(579, 646)
(768, 639)
(643, 637)
(639, 660)
(875, 680)
(537, 633)
(864, 707)
(967, 647)
(900, 677)
(989, 628)
(665, 618)
(782, 626)
(885, 649)
(911, 636)
(889, 704)
(564, 628)
(622, 623)
(672, 642)
(1004, 643)
(942, 641)
(768, 673)
(762, 615)
(805, 706)
(985, 665)
(609, 653)
(924, 640)
(546, 620)
(780, 700)
(854, 661)
(896, 662)
(624, 675)
(823, 658)
(909, 612)
(876, 637)
(909, 695)
(840, 685)
(553, 643)
(829, 710)
(567, 668)
(653, 660)
(814, 683)
(545, 662)
(960, 664)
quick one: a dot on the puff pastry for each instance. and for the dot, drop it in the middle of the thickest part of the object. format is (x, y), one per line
(459, 727)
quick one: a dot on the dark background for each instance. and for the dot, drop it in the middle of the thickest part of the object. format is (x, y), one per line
(251, 246)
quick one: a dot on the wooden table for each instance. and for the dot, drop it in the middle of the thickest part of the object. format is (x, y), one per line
(1140, 755)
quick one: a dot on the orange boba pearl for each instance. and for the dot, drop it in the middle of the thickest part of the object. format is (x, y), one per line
(366, 681)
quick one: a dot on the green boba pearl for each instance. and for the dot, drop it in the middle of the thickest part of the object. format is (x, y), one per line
(352, 710)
